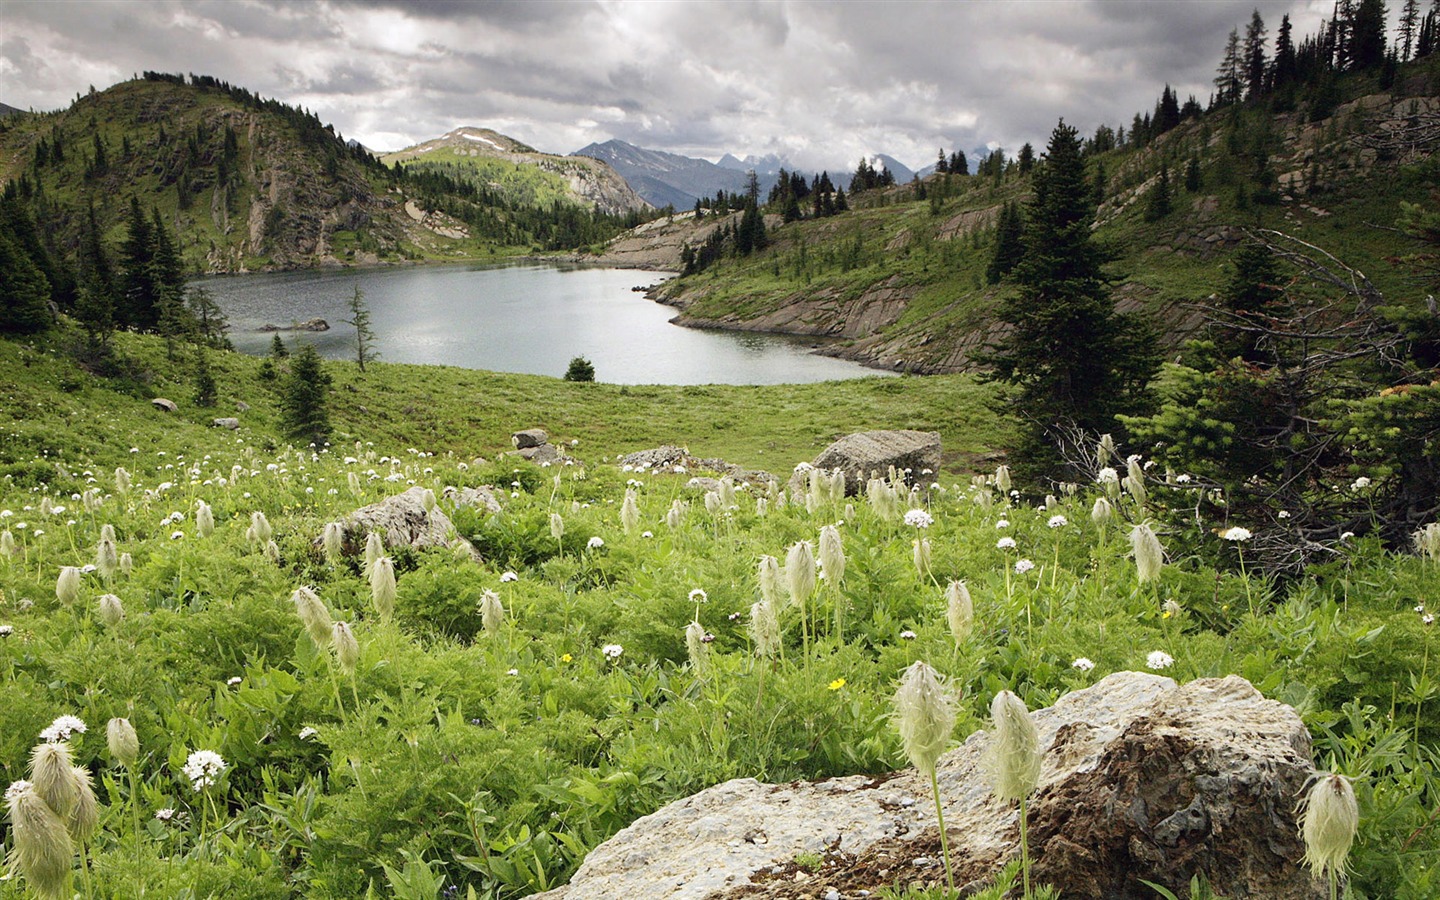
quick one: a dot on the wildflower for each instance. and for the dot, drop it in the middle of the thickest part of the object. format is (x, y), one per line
(127, 564)
(1330, 817)
(124, 745)
(696, 647)
(1104, 450)
(1427, 619)
(595, 543)
(832, 552)
(1058, 521)
(1170, 609)
(6, 630)
(15, 788)
(333, 540)
(765, 629)
(959, 611)
(1149, 555)
(1083, 663)
(837, 684)
(768, 573)
(165, 814)
(1102, 511)
(383, 590)
(918, 518)
(347, 649)
(1002, 478)
(1427, 541)
(508, 577)
(1159, 659)
(43, 849)
(202, 768)
(647, 534)
(1283, 514)
(800, 572)
(698, 595)
(111, 611)
(62, 728)
(67, 585)
(492, 612)
(1236, 533)
(1015, 753)
(307, 733)
(922, 555)
(204, 519)
(1107, 476)
(629, 512)
(1360, 483)
(1002, 524)
(107, 559)
(313, 615)
(565, 658)
(53, 774)
(259, 531)
(7, 543)
(1022, 566)
(1005, 543)
(612, 651)
(233, 680)
(84, 818)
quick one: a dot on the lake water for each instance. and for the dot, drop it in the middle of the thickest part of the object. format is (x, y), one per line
(530, 317)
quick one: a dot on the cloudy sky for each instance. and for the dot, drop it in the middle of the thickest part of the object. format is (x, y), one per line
(820, 83)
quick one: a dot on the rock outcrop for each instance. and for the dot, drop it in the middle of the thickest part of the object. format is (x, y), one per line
(534, 444)
(866, 453)
(402, 521)
(1142, 779)
(164, 405)
(678, 461)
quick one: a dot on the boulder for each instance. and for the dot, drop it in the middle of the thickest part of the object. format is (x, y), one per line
(403, 522)
(530, 437)
(860, 454)
(483, 497)
(541, 455)
(227, 422)
(164, 405)
(668, 460)
(1142, 779)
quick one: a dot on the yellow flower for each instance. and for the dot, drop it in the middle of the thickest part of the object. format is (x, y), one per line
(837, 684)
(566, 658)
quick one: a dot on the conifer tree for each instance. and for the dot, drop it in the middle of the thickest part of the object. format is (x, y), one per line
(1026, 159)
(1229, 77)
(1367, 35)
(1254, 56)
(24, 290)
(364, 335)
(304, 401)
(1159, 203)
(1009, 247)
(1409, 21)
(1070, 360)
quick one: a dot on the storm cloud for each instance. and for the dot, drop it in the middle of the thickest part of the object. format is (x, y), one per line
(821, 83)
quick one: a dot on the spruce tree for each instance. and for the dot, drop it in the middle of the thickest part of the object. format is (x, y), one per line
(1009, 247)
(1254, 56)
(24, 291)
(304, 401)
(364, 335)
(1070, 360)
(1158, 204)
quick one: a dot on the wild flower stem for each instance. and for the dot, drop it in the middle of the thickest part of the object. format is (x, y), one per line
(1024, 850)
(944, 841)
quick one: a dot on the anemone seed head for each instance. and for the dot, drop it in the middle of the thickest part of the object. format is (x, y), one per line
(924, 715)
(1014, 757)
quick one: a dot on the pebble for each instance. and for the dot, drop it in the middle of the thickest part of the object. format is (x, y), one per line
(832, 894)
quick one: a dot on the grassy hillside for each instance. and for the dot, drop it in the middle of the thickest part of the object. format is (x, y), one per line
(903, 277)
(484, 761)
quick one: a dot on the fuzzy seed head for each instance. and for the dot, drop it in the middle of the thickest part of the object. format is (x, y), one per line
(43, 850)
(1104, 450)
(67, 585)
(832, 554)
(1102, 512)
(347, 648)
(204, 519)
(959, 611)
(762, 507)
(127, 564)
(922, 556)
(630, 512)
(492, 612)
(712, 503)
(765, 629)
(1149, 555)
(122, 480)
(313, 615)
(107, 558)
(697, 648)
(1014, 749)
(676, 515)
(557, 526)
(259, 531)
(374, 549)
(382, 587)
(727, 492)
(7, 544)
(769, 575)
(52, 777)
(333, 540)
(1002, 479)
(111, 610)
(924, 715)
(124, 744)
(85, 816)
(352, 480)
(1330, 817)
(800, 572)
(107, 532)
(427, 500)
(1136, 487)
(272, 552)
(1427, 541)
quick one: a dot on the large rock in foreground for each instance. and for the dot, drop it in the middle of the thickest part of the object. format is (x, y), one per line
(1142, 779)
(858, 455)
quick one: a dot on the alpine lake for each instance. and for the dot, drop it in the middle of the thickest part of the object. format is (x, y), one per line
(530, 317)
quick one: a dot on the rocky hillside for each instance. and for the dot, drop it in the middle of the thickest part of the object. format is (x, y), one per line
(245, 183)
(522, 174)
(900, 280)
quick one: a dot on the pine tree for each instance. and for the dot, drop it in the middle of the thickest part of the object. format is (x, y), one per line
(304, 401)
(1026, 159)
(1009, 247)
(277, 347)
(364, 335)
(1228, 77)
(1192, 175)
(1367, 35)
(1071, 361)
(205, 387)
(1159, 203)
(210, 321)
(1409, 21)
(137, 306)
(1282, 69)
(1254, 56)
(24, 290)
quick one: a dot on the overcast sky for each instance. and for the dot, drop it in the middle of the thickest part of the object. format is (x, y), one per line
(820, 83)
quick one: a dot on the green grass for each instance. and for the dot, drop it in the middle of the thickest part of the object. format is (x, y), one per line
(495, 761)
